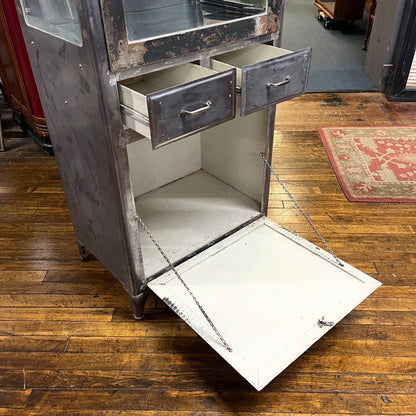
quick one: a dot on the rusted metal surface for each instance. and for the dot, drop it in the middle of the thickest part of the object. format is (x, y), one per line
(124, 55)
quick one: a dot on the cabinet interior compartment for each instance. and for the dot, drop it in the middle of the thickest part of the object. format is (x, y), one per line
(192, 192)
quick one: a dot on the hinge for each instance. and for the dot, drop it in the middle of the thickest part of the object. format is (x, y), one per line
(385, 73)
(322, 323)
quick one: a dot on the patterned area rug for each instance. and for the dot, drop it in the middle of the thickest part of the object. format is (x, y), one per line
(373, 163)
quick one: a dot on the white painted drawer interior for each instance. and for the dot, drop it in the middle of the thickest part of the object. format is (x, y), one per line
(247, 56)
(153, 104)
(133, 92)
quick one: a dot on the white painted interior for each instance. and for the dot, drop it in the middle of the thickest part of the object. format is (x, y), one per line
(222, 66)
(137, 126)
(188, 214)
(246, 56)
(193, 191)
(151, 169)
(231, 150)
(265, 290)
(133, 91)
(130, 95)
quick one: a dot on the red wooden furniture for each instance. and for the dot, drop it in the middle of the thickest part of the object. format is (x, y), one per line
(16, 74)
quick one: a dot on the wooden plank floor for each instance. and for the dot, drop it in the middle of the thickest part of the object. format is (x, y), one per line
(68, 344)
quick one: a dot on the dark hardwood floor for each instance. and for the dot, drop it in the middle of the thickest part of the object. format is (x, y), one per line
(68, 343)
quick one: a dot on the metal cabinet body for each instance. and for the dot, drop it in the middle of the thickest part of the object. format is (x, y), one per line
(16, 75)
(79, 90)
(205, 97)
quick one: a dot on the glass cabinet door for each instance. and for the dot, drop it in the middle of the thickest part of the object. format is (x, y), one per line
(140, 32)
(57, 18)
(147, 19)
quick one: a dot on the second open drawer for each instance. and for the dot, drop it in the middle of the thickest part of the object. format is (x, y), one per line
(266, 75)
(173, 103)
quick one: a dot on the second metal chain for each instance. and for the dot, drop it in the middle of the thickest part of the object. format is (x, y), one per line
(263, 156)
(173, 268)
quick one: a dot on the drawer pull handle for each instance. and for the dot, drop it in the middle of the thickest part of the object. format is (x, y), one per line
(198, 111)
(279, 84)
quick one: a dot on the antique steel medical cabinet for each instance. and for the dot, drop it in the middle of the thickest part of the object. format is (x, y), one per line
(161, 115)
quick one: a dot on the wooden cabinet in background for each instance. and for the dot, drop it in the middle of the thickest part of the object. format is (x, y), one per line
(343, 10)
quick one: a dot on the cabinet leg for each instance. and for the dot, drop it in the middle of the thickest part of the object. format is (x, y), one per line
(138, 302)
(83, 252)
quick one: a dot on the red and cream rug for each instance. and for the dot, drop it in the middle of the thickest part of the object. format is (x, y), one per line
(375, 164)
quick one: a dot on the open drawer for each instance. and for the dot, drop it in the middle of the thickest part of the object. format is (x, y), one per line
(266, 75)
(269, 293)
(173, 103)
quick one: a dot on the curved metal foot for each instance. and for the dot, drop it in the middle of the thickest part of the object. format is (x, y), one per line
(138, 303)
(83, 252)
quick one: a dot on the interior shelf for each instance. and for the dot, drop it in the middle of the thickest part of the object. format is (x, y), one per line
(187, 215)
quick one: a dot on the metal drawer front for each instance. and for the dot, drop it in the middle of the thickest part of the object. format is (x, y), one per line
(273, 81)
(179, 111)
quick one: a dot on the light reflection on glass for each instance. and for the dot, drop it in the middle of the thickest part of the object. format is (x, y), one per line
(154, 18)
(57, 18)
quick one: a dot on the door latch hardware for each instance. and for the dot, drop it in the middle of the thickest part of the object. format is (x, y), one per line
(322, 323)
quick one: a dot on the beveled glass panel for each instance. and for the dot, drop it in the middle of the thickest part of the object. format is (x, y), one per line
(58, 18)
(154, 18)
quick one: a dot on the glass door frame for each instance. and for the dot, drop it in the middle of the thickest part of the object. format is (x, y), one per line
(125, 55)
(405, 51)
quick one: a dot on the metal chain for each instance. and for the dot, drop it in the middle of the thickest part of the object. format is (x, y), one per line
(173, 268)
(263, 156)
